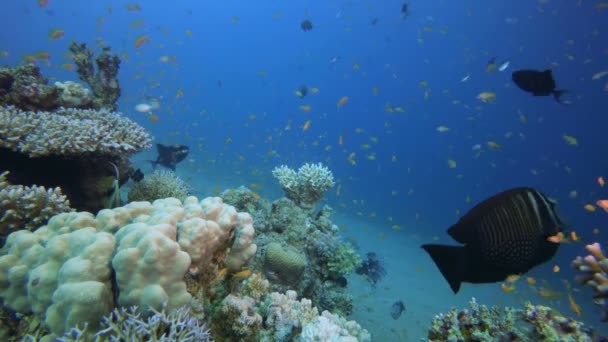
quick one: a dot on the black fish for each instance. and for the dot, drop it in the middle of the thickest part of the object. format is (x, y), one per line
(405, 11)
(169, 156)
(505, 234)
(397, 309)
(372, 268)
(136, 175)
(306, 25)
(539, 83)
(302, 92)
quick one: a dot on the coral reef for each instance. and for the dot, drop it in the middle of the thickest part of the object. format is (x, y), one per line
(128, 325)
(307, 186)
(280, 317)
(300, 250)
(63, 272)
(24, 207)
(159, 184)
(83, 152)
(593, 270)
(25, 88)
(104, 82)
(533, 323)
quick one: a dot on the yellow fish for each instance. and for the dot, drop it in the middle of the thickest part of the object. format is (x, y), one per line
(342, 101)
(570, 140)
(487, 96)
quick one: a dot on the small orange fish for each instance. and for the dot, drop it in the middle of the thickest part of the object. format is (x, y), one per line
(68, 66)
(573, 305)
(255, 196)
(531, 281)
(56, 33)
(43, 3)
(244, 274)
(557, 238)
(602, 204)
(589, 207)
(43, 55)
(306, 126)
(342, 101)
(600, 181)
(507, 288)
(549, 294)
(556, 269)
(141, 40)
(154, 118)
(305, 108)
(133, 8)
(340, 141)
(573, 236)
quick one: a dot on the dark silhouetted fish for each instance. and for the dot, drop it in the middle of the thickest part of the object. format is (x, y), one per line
(397, 309)
(306, 25)
(504, 235)
(405, 10)
(136, 175)
(169, 156)
(539, 83)
(372, 268)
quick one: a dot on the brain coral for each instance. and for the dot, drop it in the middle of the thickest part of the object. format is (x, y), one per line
(69, 132)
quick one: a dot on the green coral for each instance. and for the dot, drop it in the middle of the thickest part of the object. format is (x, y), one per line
(286, 263)
(159, 184)
(343, 261)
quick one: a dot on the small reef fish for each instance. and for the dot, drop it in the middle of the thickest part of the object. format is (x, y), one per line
(140, 41)
(487, 96)
(599, 75)
(504, 65)
(491, 65)
(570, 140)
(466, 78)
(169, 156)
(56, 33)
(589, 207)
(489, 243)
(602, 204)
(342, 101)
(306, 126)
(600, 181)
(397, 309)
(442, 129)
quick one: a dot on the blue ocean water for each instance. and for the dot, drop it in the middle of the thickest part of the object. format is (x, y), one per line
(225, 73)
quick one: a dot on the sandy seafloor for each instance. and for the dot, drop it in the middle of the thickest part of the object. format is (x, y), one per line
(411, 274)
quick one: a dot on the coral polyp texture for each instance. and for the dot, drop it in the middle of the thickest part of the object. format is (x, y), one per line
(307, 186)
(79, 266)
(593, 270)
(28, 207)
(70, 132)
(487, 324)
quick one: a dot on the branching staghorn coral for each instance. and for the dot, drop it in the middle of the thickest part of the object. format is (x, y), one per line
(593, 270)
(68, 132)
(307, 186)
(28, 207)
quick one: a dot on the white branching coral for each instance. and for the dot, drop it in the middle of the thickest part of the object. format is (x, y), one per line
(305, 187)
(70, 132)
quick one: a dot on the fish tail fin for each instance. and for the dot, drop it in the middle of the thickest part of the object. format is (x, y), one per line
(450, 261)
(557, 94)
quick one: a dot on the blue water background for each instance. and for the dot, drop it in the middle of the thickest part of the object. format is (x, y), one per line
(256, 49)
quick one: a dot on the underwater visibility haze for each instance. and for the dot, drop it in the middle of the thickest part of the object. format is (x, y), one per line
(303, 170)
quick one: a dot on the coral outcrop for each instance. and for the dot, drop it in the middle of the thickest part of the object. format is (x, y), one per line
(593, 272)
(307, 186)
(62, 272)
(159, 184)
(27, 207)
(532, 323)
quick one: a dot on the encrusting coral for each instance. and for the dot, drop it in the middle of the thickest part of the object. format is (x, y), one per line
(62, 272)
(159, 184)
(27, 207)
(307, 186)
(593, 270)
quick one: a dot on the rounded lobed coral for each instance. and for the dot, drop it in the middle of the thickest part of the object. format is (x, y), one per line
(159, 184)
(135, 255)
(70, 132)
(285, 263)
